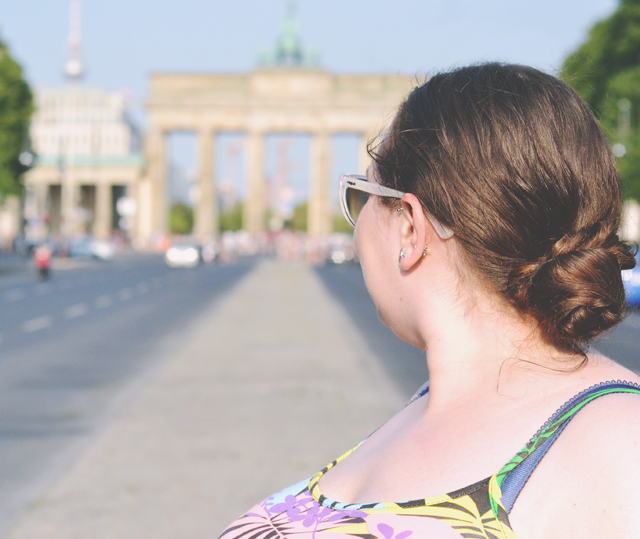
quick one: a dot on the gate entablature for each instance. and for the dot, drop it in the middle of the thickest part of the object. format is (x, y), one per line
(294, 100)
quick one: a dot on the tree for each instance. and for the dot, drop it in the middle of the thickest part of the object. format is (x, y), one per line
(231, 219)
(298, 220)
(340, 224)
(16, 107)
(181, 219)
(605, 71)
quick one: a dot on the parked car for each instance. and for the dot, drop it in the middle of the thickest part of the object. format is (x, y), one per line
(185, 255)
(338, 255)
(92, 248)
(631, 281)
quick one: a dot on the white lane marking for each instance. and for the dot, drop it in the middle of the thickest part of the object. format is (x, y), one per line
(79, 309)
(37, 324)
(15, 294)
(104, 301)
(124, 294)
(142, 287)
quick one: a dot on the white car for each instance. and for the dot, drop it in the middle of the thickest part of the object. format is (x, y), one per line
(182, 256)
(92, 248)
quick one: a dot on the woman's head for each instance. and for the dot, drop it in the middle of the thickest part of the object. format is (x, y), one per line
(514, 162)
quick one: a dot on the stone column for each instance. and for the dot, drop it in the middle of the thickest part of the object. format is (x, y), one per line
(132, 192)
(156, 148)
(254, 203)
(103, 211)
(206, 225)
(70, 200)
(41, 193)
(319, 216)
(142, 194)
(363, 157)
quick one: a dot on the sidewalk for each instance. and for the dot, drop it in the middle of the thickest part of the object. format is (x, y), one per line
(273, 383)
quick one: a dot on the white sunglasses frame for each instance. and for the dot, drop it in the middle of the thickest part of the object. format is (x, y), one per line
(359, 182)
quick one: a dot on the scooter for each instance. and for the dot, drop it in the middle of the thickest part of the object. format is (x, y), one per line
(42, 256)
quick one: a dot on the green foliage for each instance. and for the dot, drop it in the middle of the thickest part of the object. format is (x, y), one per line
(16, 107)
(341, 225)
(605, 70)
(299, 219)
(181, 219)
(231, 219)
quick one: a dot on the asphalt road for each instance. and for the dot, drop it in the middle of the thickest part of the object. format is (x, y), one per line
(73, 348)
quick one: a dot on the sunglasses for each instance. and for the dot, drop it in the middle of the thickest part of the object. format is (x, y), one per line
(355, 191)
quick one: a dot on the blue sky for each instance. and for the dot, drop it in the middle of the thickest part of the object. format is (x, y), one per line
(124, 40)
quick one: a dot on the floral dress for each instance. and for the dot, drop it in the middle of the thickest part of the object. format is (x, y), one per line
(480, 511)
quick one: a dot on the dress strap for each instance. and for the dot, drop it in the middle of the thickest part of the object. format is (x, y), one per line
(514, 475)
(424, 389)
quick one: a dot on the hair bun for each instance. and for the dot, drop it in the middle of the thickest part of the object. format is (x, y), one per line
(576, 292)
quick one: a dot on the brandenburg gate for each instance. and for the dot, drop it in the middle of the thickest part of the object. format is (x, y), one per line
(268, 100)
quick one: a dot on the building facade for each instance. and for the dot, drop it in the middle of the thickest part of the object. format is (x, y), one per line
(88, 155)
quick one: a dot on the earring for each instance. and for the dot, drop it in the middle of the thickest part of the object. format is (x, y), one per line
(399, 210)
(401, 256)
(426, 251)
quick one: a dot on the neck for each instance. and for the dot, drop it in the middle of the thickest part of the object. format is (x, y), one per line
(480, 352)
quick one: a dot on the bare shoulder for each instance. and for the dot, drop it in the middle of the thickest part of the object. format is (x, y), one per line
(588, 485)
(617, 414)
(608, 423)
(603, 442)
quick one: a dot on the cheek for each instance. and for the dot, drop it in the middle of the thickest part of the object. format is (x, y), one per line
(377, 261)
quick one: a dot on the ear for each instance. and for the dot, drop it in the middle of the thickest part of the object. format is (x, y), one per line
(413, 232)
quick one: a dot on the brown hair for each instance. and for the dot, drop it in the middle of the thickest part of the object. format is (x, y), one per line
(514, 162)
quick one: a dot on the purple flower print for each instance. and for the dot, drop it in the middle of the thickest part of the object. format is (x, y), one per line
(339, 515)
(387, 532)
(390, 526)
(306, 510)
(300, 514)
(292, 506)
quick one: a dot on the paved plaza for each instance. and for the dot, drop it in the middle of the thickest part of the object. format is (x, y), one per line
(272, 383)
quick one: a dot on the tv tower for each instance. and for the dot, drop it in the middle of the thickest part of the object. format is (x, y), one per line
(74, 68)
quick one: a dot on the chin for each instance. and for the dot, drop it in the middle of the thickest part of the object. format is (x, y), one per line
(408, 337)
(384, 320)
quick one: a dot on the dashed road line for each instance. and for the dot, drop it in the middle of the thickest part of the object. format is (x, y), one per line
(103, 301)
(74, 311)
(125, 294)
(142, 287)
(37, 324)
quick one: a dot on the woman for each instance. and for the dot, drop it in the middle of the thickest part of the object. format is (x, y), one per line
(490, 242)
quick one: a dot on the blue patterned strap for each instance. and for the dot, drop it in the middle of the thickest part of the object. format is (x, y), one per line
(424, 389)
(513, 483)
